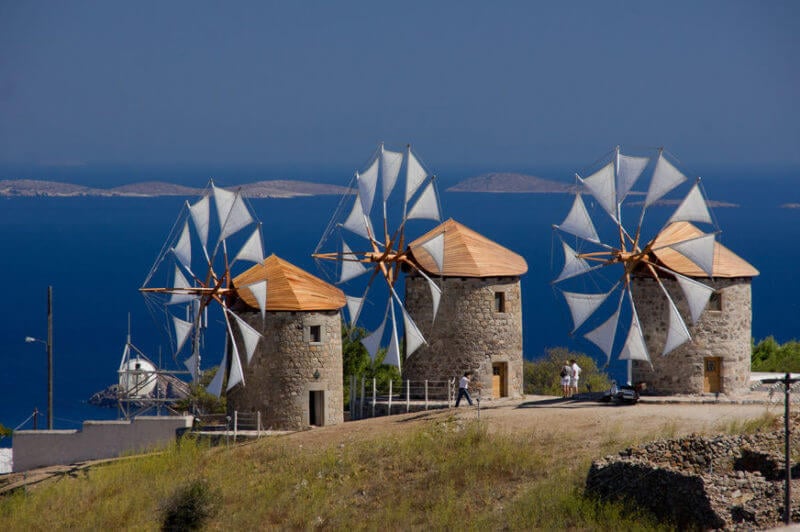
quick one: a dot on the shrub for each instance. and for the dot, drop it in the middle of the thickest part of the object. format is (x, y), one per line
(769, 355)
(189, 507)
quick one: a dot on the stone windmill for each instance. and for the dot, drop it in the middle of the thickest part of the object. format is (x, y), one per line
(479, 322)
(295, 375)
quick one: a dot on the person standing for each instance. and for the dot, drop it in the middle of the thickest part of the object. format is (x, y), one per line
(574, 377)
(565, 374)
(463, 388)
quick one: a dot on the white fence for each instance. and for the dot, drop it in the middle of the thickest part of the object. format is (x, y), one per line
(369, 399)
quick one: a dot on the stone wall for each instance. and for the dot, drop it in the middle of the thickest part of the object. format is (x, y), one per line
(725, 482)
(287, 365)
(724, 333)
(468, 334)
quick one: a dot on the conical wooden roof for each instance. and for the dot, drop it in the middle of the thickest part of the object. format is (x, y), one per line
(467, 254)
(726, 262)
(289, 288)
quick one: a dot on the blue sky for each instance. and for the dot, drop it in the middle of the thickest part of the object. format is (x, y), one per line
(509, 85)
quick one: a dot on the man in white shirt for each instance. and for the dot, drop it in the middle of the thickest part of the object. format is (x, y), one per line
(463, 388)
(573, 379)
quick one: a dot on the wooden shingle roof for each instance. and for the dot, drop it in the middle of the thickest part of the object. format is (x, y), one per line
(289, 288)
(467, 254)
(726, 262)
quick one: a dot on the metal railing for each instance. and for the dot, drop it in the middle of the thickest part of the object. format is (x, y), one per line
(368, 398)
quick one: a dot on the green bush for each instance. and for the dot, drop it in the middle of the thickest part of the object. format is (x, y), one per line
(769, 355)
(541, 376)
(356, 361)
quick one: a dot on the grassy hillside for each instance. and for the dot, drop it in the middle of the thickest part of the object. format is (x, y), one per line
(442, 473)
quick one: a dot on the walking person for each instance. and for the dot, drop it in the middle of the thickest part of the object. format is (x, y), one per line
(576, 375)
(463, 388)
(566, 374)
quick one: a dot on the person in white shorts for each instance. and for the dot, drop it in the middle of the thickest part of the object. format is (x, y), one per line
(566, 374)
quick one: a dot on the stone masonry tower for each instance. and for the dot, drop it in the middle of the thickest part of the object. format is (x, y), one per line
(717, 358)
(478, 326)
(295, 376)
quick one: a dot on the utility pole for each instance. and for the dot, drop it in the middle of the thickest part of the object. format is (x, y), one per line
(787, 388)
(49, 358)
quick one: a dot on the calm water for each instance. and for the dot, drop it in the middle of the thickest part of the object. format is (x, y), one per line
(95, 252)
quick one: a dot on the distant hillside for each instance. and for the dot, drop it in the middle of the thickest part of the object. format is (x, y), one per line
(510, 182)
(261, 189)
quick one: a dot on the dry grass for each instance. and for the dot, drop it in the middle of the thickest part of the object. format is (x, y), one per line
(440, 472)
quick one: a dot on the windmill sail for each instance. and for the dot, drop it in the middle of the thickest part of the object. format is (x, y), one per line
(181, 285)
(357, 222)
(392, 357)
(665, 178)
(372, 342)
(573, 264)
(415, 175)
(602, 186)
(200, 216)
(692, 209)
(581, 306)
(259, 291)
(253, 249)
(578, 222)
(699, 250)
(215, 386)
(367, 183)
(354, 308)
(250, 336)
(351, 267)
(634, 348)
(427, 205)
(182, 330)
(603, 336)
(183, 249)
(435, 247)
(697, 295)
(236, 374)
(677, 333)
(628, 171)
(390, 169)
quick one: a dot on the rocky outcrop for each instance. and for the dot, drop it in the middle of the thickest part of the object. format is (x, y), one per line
(724, 482)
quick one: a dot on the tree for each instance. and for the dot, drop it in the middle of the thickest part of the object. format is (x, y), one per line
(541, 376)
(356, 361)
(769, 355)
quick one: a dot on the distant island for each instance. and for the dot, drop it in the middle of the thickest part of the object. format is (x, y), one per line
(790, 206)
(499, 182)
(261, 189)
(502, 182)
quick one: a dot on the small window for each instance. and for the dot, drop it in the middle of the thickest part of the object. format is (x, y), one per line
(315, 334)
(715, 302)
(499, 301)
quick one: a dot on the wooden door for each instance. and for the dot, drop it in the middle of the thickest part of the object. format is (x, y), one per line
(712, 372)
(499, 379)
(316, 408)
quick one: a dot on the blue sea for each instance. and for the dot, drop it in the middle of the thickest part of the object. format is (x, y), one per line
(95, 253)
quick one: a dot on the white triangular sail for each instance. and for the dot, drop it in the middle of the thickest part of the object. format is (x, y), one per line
(250, 336)
(579, 223)
(415, 175)
(699, 250)
(191, 365)
(367, 183)
(183, 248)
(392, 357)
(573, 264)
(581, 306)
(238, 218)
(215, 386)
(603, 336)
(181, 295)
(436, 296)
(665, 178)
(351, 267)
(182, 330)
(602, 186)
(236, 375)
(390, 168)
(413, 337)
(259, 291)
(677, 333)
(697, 295)
(354, 305)
(435, 247)
(628, 171)
(634, 348)
(253, 248)
(356, 221)
(693, 208)
(200, 217)
(427, 205)
(223, 199)
(372, 342)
